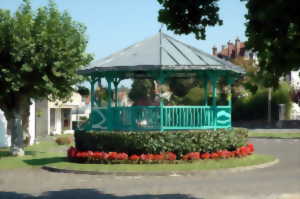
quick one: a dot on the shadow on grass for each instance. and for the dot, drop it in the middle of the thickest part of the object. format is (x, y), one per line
(90, 194)
(44, 161)
(6, 153)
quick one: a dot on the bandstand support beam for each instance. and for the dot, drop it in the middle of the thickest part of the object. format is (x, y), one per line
(206, 91)
(214, 79)
(116, 82)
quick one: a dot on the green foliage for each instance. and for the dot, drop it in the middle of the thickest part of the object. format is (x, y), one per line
(180, 87)
(83, 91)
(277, 41)
(141, 89)
(40, 52)
(189, 16)
(156, 142)
(254, 106)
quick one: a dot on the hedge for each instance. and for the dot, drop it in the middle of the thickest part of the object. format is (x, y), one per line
(155, 142)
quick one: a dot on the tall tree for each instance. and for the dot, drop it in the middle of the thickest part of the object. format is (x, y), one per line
(142, 89)
(189, 16)
(40, 52)
(273, 30)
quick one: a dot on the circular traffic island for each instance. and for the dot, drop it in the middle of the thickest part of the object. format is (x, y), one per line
(160, 153)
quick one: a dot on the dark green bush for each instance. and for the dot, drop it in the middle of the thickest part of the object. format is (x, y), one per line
(179, 142)
(255, 106)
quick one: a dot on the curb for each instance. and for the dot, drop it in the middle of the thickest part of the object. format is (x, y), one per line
(158, 173)
(274, 138)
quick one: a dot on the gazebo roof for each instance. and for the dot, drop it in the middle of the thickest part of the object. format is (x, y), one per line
(160, 52)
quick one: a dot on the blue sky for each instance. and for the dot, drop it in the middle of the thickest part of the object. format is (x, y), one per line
(115, 24)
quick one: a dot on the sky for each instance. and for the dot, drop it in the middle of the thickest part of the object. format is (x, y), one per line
(116, 24)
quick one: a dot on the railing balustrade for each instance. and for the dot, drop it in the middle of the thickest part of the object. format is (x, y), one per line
(173, 117)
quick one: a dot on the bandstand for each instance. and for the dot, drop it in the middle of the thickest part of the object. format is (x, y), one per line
(159, 58)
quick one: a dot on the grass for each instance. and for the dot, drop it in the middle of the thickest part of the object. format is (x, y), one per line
(51, 154)
(35, 156)
(274, 134)
(195, 166)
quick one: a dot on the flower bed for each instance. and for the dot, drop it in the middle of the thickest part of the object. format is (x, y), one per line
(75, 155)
(155, 142)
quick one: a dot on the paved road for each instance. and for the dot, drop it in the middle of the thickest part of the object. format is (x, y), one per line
(281, 181)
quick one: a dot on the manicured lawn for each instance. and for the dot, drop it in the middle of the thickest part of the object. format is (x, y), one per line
(35, 156)
(195, 166)
(274, 134)
(50, 154)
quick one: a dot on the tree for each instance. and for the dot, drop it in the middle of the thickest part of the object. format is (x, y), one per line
(40, 52)
(142, 89)
(83, 91)
(181, 86)
(272, 28)
(189, 16)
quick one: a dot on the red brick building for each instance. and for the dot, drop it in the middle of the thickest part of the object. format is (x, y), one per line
(232, 50)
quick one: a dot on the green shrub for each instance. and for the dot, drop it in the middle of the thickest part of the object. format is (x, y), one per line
(255, 106)
(155, 142)
(64, 140)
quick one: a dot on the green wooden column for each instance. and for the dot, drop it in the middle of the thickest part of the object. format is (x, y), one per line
(206, 91)
(214, 80)
(229, 81)
(229, 95)
(109, 108)
(161, 79)
(116, 82)
(100, 86)
(92, 82)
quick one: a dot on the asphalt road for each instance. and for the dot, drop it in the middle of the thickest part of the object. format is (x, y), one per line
(281, 181)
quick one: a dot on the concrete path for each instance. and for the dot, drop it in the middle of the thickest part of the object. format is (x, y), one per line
(281, 181)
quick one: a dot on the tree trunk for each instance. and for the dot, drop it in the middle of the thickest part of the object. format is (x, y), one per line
(17, 135)
(21, 109)
(25, 124)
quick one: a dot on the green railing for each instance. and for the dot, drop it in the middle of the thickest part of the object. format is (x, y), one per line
(160, 118)
(136, 118)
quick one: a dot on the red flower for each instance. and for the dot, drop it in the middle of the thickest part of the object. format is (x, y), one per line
(191, 156)
(122, 156)
(134, 157)
(105, 155)
(90, 154)
(170, 156)
(214, 155)
(98, 155)
(250, 147)
(224, 154)
(205, 156)
(112, 155)
(158, 157)
(72, 152)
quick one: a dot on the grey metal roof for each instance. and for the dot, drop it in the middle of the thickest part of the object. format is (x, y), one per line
(160, 52)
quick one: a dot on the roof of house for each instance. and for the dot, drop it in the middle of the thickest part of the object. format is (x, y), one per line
(230, 50)
(159, 52)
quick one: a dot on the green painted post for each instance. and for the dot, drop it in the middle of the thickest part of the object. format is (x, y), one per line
(214, 102)
(229, 96)
(92, 82)
(161, 103)
(109, 111)
(116, 92)
(206, 91)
